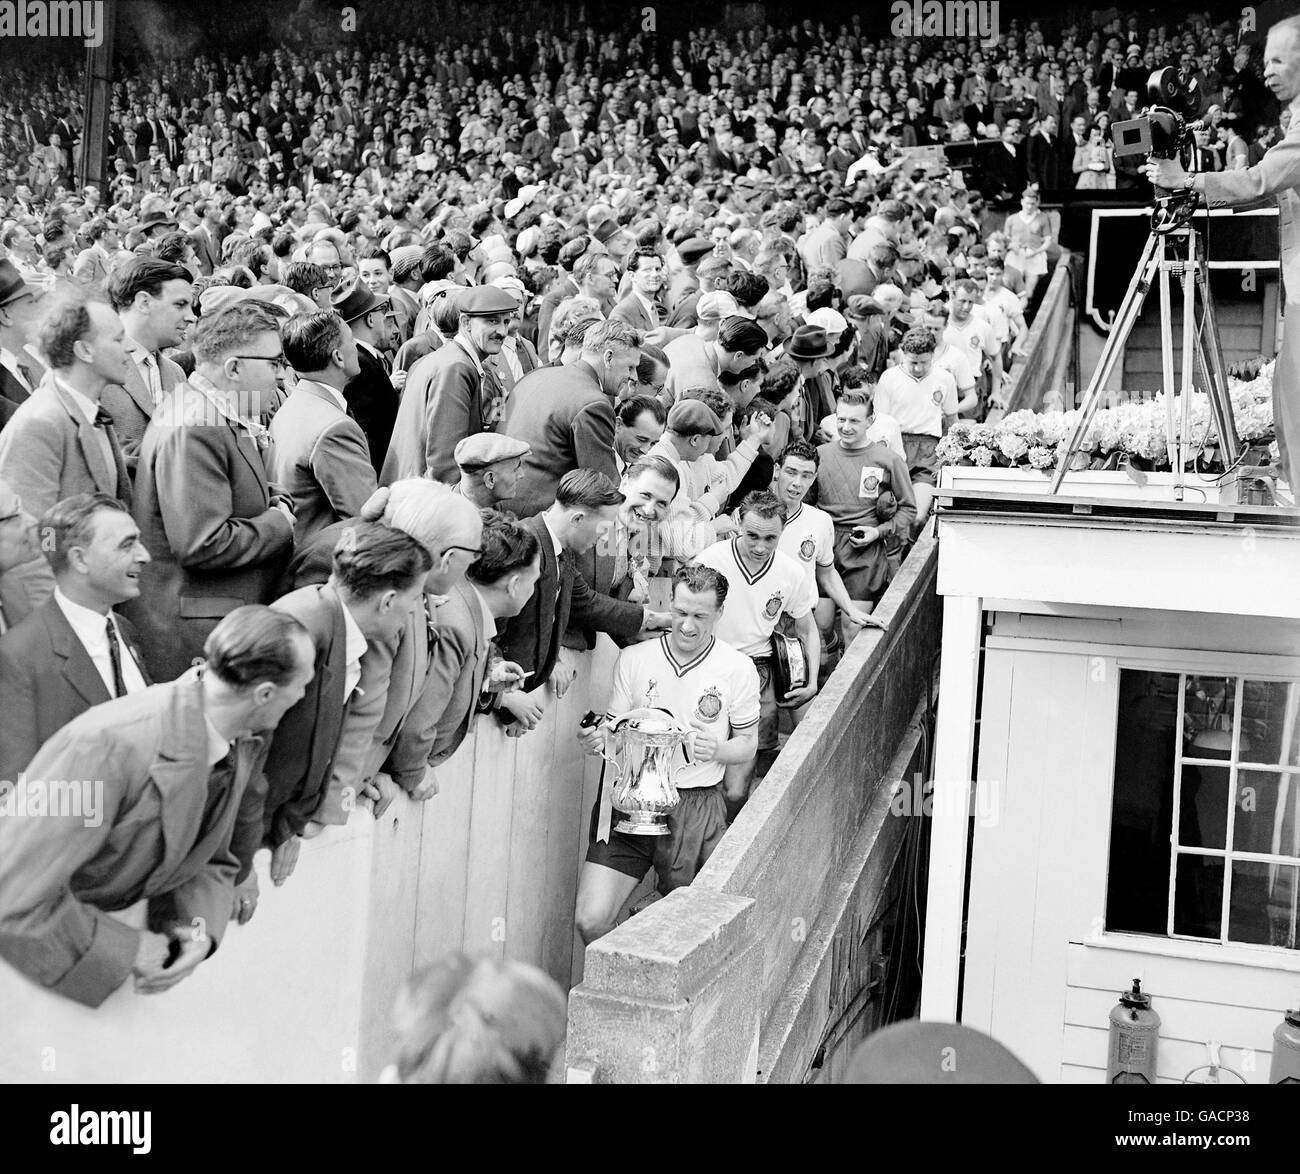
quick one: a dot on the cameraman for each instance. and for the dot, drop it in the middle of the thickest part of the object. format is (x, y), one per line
(1277, 174)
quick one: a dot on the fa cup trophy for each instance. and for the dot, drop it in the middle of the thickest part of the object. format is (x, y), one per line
(644, 787)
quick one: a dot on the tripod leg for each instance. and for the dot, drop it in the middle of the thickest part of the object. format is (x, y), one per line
(1189, 340)
(1125, 317)
(1216, 375)
(1167, 364)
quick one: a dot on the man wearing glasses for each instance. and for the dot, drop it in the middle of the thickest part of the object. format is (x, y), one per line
(325, 253)
(218, 532)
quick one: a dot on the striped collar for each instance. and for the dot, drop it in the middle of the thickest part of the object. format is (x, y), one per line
(797, 511)
(678, 667)
(744, 570)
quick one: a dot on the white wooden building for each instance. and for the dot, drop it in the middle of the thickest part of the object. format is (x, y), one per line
(1117, 772)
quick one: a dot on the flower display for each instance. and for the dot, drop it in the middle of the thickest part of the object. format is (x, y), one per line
(1132, 432)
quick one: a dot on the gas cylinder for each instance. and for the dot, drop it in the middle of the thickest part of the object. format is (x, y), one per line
(1134, 1033)
(1285, 1068)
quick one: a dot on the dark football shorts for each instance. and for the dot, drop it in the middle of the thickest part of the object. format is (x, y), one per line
(695, 828)
(922, 464)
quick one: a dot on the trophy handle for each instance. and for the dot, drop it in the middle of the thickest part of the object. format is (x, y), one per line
(613, 762)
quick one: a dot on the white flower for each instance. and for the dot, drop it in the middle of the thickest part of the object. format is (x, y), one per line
(982, 455)
(1041, 457)
(1013, 447)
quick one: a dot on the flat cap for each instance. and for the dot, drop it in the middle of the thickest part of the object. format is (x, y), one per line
(216, 298)
(405, 253)
(487, 448)
(862, 306)
(716, 305)
(483, 300)
(831, 321)
(693, 249)
(692, 417)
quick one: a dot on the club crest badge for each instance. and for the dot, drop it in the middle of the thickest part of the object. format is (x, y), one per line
(807, 548)
(773, 608)
(869, 481)
(709, 705)
(938, 396)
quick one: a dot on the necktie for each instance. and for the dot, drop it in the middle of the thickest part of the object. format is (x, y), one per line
(25, 373)
(152, 376)
(115, 659)
(103, 419)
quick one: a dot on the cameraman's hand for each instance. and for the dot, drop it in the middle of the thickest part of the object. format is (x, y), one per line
(1166, 173)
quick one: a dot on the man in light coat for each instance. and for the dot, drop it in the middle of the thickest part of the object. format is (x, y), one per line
(175, 761)
(321, 457)
(451, 393)
(61, 442)
(218, 531)
(1275, 177)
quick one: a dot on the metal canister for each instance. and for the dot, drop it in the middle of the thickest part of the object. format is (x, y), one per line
(1134, 1034)
(1285, 1066)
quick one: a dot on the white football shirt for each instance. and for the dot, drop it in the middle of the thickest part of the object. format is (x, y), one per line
(919, 405)
(755, 601)
(809, 539)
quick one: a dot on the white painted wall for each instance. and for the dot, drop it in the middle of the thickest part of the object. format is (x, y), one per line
(1041, 974)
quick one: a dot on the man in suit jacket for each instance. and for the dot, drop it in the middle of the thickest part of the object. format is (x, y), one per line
(640, 309)
(174, 761)
(566, 414)
(500, 583)
(61, 442)
(219, 533)
(205, 239)
(371, 398)
(1275, 177)
(1043, 156)
(92, 264)
(451, 529)
(320, 747)
(73, 652)
(1004, 167)
(154, 301)
(449, 394)
(321, 456)
(585, 507)
(825, 247)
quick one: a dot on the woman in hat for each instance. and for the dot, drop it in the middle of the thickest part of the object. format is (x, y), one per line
(1094, 163)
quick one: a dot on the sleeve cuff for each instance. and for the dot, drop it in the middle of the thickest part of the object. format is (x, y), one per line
(105, 966)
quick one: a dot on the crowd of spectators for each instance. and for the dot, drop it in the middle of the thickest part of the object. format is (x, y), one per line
(378, 379)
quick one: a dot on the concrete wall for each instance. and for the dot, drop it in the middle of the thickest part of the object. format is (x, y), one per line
(304, 992)
(744, 973)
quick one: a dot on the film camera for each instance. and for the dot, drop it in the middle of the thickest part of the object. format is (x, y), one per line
(1163, 130)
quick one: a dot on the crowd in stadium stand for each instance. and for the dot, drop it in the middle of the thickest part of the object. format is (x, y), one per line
(376, 380)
